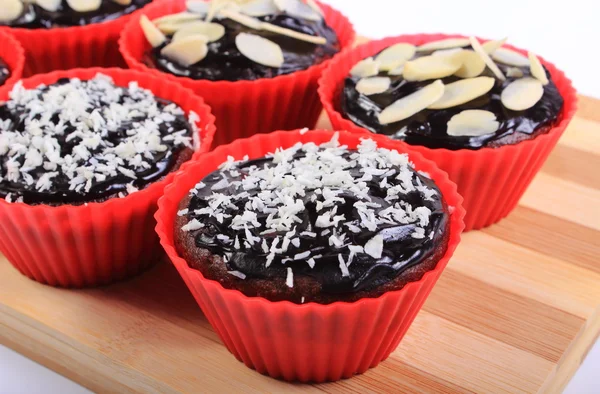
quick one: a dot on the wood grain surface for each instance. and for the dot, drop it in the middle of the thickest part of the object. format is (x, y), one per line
(516, 310)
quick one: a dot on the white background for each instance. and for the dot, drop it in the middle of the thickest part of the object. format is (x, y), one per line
(566, 33)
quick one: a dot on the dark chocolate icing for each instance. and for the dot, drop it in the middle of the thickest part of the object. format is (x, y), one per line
(224, 62)
(159, 164)
(35, 17)
(401, 249)
(428, 127)
(4, 72)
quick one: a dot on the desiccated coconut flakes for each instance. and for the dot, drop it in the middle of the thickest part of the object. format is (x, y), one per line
(81, 108)
(322, 171)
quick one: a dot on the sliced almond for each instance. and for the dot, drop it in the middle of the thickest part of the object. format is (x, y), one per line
(522, 94)
(174, 27)
(200, 7)
(373, 85)
(242, 19)
(259, 50)
(537, 70)
(514, 72)
(122, 2)
(259, 8)
(443, 44)
(294, 34)
(298, 9)
(84, 5)
(49, 5)
(472, 123)
(187, 51)
(10, 10)
(463, 91)
(212, 31)
(447, 52)
(431, 67)
(313, 4)
(183, 33)
(256, 24)
(216, 6)
(395, 56)
(181, 17)
(154, 36)
(485, 57)
(472, 64)
(397, 71)
(510, 57)
(365, 68)
(413, 103)
(492, 46)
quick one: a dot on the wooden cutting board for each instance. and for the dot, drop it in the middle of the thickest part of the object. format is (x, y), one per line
(516, 310)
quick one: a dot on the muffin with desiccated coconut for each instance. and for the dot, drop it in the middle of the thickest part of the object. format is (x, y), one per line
(314, 224)
(73, 33)
(83, 158)
(260, 55)
(474, 107)
(328, 230)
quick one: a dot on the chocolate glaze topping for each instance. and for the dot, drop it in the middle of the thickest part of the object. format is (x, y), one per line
(35, 17)
(428, 127)
(74, 142)
(350, 220)
(4, 72)
(224, 62)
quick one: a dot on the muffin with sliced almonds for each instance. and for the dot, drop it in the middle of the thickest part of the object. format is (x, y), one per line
(228, 41)
(48, 14)
(260, 55)
(62, 34)
(475, 107)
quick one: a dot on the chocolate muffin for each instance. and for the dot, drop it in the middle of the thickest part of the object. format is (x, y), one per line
(47, 14)
(314, 224)
(4, 72)
(244, 40)
(75, 141)
(454, 93)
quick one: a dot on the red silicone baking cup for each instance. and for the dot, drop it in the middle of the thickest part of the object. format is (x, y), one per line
(309, 342)
(95, 243)
(244, 108)
(11, 52)
(63, 48)
(491, 180)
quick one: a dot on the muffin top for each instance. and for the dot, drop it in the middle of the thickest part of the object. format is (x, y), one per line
(454, 93)
(83, 141)
(243, 40)
(325, 218)
(36, 14)
(4, 72)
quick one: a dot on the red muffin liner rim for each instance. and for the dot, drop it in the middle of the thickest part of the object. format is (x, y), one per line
(13, 44)
(134, 74)
(130, 59)
(326, 85)
(440, 177)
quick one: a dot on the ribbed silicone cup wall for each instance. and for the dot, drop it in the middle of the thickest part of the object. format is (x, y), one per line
(244, 108)
(309, 342)
(491, 180)
(95, 243)
(12, 53)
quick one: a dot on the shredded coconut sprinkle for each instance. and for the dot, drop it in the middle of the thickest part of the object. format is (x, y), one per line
(87, 136)
(265, 206)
